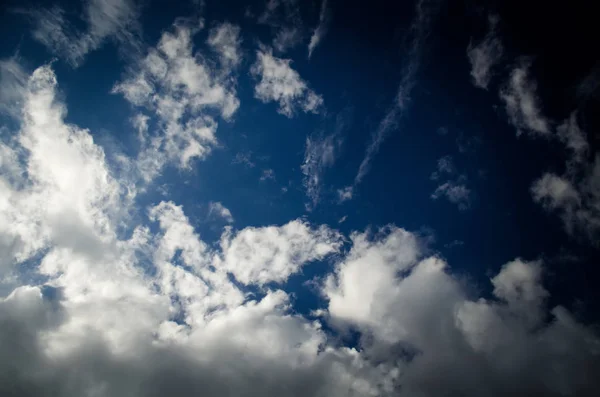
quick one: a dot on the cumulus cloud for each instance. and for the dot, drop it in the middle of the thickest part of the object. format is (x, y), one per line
(411, 311)
(484, 55)
(216, 208)
(57, 187)
(262, 255)
(153, 310)
(278, 82)
(522, 103)
(321, 29)
(184, 93)
(105, 19)
(121, 305)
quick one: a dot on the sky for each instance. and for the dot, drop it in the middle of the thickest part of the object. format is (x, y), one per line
(299, 198)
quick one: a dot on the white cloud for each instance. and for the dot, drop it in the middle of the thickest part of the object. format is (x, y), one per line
(121, 305)
(225, 40)
(455, 192)
(70, 195)
(105, 19)
(522, 103)
(217, 208)
(321, 29)
(262, 255)
(278, 82)
(184, 93)
(484, 55)
(413, 313)
(345, 194)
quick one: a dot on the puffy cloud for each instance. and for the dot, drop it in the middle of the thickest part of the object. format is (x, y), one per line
(184, 93)
(484, 55)
(321, 29)
(345, 194)
(522, 103)
(412, 312)
(262, 255)
(218, 209)
(225, 40)
(115, 19)
(57, 188)
(278, 82)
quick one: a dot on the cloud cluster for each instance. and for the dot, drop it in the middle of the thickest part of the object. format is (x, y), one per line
(97, 302)
(184, 93)
(574, 195)
(278, 82)
(411, 312)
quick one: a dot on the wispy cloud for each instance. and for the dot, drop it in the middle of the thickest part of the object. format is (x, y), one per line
(419, 31)
(105, 19)
(454, 189)
(321, 29)
(284, 17)
(455, 192)
(320, 153)
(484, 55)
(267, 174)
(244, 158)
(522, 103)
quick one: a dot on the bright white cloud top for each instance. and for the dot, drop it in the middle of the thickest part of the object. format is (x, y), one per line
(106, 293)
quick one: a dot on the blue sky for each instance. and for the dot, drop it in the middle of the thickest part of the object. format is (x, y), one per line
(319, 198)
